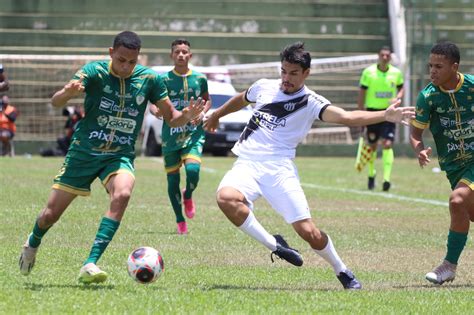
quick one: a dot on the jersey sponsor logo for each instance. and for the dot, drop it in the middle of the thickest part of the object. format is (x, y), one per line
(456, 109)
(458, 146)
(181, 129)
(268, 120)
(383, 94)
(102, 120)
(103, 136)
(106, 104)
(180, 104)
(121, 124)
(459, 134)
(273, 115)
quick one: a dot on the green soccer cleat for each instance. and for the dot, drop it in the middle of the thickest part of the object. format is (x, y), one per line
(90, 273)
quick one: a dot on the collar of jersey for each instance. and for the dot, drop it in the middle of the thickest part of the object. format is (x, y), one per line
(460, 83)
(116, 75)
(183, 75)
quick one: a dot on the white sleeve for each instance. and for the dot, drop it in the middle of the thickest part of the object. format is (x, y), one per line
(318, 104)
(253, 91)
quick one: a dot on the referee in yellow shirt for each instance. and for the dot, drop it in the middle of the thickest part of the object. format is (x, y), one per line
(380, 83)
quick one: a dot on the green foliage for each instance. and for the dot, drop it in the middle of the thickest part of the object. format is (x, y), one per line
(389, 240)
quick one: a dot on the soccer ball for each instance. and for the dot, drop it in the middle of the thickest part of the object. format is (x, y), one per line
(145, 264)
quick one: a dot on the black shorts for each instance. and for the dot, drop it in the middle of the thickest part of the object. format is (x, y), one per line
(384, 130)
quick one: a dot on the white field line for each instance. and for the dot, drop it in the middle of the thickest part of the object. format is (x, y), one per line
(352, 191)
(378, 194)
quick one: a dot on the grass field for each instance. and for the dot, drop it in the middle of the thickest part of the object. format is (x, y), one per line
(389, 240)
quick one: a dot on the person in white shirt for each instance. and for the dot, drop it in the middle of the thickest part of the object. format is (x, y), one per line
(284, 111)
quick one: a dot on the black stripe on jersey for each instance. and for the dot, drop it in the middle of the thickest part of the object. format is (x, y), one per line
(273, 115)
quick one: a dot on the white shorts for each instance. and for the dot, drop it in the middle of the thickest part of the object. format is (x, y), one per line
(277, 181)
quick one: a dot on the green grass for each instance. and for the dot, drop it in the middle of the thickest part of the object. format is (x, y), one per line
(389, 240)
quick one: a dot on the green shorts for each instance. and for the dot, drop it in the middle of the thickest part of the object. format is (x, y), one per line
(174, 159)
(80, 170)
(464, 175)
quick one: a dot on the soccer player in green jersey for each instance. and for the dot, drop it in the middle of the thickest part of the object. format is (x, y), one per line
(184, 144)
(446, 107)
(380, 85)
(103, 144)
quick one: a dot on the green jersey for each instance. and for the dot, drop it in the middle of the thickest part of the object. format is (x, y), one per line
(180, 90)
(380, 86)
(450, 117)
(114, 108)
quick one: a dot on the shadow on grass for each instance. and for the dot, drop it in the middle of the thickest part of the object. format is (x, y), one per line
(92, 287)
(436, 286)
(262, 288)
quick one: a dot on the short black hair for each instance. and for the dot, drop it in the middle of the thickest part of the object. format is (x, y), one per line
(385, 48)
(447, 49)
(295, 53)
(128, 40)
(180, 41)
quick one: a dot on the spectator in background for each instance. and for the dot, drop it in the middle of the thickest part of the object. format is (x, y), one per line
(380, 85)
(3, 80)
(8, 114)
(74, 115)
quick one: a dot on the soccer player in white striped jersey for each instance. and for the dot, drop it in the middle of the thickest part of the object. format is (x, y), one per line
(284, 111)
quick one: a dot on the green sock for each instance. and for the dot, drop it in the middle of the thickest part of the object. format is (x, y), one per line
(35, 237)
(175, 195)
(107, 229)
(371, 164)
(455, 244)
(192, 178)
(387, 158)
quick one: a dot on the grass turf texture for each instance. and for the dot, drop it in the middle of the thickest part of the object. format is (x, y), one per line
(389, 240)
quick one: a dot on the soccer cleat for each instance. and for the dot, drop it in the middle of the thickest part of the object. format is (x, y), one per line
(371, 183)
(189, 207)
(446, 272)
(386, 186)
(90, 273)
(348, 280)
(27, 259)
(284, 251)
(182, 227)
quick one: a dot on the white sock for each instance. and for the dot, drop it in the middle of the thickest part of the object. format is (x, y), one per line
(330, 255)
(253, 228)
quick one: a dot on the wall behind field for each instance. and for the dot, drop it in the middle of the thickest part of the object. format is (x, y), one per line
(221, 31)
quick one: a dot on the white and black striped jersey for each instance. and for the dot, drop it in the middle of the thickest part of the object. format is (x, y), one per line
(279, 122)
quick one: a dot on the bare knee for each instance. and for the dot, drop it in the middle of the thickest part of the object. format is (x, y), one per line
(233, 205)
(457, 204)
(121, 196)
(228, 198)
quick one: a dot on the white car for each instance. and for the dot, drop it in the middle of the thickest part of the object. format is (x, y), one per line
(218, 143)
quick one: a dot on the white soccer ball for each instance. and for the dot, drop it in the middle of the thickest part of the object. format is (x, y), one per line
(145, 265)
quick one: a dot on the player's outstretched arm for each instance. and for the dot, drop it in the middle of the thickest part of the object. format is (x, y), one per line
(236, 103)
(175, 118)
(394, 113)
(397, 114)
(70, 90)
